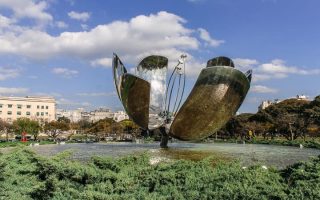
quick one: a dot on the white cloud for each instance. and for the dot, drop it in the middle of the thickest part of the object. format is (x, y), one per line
(5, 21)
(204, 35)
(245, 63)
(7, 73)
(64, 72)
(97, 94)
(28, 9)
(276, 69)
(9, 91)
(81, 16)
(262, 89)
(163, 32)
(68, 102)
(194, 67)
(279, 67)
(104, 62)
(85, 27)
(61, 24)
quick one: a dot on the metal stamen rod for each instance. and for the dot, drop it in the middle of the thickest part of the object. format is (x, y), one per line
(181, 97)
(184, 81)
(165, 106)
(175, 102)
(169, 101)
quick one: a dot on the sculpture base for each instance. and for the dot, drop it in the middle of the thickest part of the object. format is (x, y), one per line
(164, 137)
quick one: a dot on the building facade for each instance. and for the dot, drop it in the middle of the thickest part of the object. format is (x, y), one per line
(80, 114)
(73, 115)
(99, 114)
(119, 116)
(35, 108)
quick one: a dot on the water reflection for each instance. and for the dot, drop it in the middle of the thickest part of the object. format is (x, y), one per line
(248, 154)
(154, 70)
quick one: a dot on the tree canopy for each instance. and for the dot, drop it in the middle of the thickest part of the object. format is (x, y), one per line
(291, 118)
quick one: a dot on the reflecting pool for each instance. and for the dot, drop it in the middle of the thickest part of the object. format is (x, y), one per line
(247, 154)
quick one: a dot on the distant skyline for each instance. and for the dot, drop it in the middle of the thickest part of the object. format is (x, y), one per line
(64, 48)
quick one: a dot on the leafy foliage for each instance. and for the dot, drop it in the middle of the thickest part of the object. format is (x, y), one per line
(55, 128)
(290, 118)
(25, 175)
(26, 125)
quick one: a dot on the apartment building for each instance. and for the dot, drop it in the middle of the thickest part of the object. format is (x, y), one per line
(73, 115)
(36, 108)
(80, 114)
(119, 116)
(99, 114)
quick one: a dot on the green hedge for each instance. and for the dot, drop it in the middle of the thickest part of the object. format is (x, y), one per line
(25, 175)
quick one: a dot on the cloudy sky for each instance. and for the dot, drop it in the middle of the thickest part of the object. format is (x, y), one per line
(64, 48)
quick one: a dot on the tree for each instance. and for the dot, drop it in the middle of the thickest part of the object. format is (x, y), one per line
(102, 127)
(55, 128)
(238, 125)
(27, 125)
(64, 119)
(5, 127)
(84, 125)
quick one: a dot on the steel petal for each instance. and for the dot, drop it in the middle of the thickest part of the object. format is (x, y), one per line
(154, 70)
(118, 71)
(215, 98)
(135, 97)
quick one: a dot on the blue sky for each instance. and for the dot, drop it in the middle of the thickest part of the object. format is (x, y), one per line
(64, 48)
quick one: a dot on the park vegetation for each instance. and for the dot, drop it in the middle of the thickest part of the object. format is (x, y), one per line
(290, 119)
(26, 175)
(290, 122)
(63, 128)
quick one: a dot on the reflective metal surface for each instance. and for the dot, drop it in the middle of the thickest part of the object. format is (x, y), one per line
(154, 70)
(133, 92)
(220, 61)
(118, 70)
(215, 98)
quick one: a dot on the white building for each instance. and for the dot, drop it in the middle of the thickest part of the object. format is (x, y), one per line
(99, 114)
(36, 108)
(73, 115)
(80, 114)
(302, 97)
(119, 116)
(265, 104)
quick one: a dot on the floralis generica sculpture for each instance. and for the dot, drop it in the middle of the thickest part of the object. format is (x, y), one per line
(154, 100)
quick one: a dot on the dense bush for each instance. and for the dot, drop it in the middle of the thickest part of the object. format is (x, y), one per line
(25, 175)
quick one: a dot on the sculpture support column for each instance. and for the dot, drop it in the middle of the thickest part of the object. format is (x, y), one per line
(164, 137)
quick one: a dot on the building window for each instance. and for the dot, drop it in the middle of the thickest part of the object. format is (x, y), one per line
(19, 113)
(28, 113)
(38, 106)
(42, 113)
(9, 112)
(42, 107)
(9, 105)
(46, 113)
(28, 106)
(37, 113)
(47, 107)
(0, 112)
(1, 105)
(19, 106)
